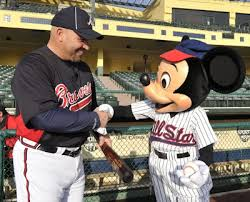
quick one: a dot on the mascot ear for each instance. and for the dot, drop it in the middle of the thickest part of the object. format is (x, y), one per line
(225, 69)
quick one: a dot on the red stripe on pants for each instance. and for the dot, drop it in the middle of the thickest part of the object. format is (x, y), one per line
(25, 172)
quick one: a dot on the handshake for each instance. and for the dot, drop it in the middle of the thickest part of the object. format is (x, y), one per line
(105, 113)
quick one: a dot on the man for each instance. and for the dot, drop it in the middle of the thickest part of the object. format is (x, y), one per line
(55, 97)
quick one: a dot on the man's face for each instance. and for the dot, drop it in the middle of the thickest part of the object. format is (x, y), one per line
(73, 45)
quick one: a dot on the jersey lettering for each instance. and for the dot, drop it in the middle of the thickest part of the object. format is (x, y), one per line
(76, 100)
(169, 134)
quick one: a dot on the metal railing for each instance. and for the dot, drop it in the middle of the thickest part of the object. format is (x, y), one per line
(231, 161)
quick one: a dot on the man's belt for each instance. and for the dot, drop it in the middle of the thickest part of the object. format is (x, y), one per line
(50, 149)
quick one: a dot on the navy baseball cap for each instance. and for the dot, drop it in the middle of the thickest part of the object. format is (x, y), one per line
(186, 49)
(77, 20)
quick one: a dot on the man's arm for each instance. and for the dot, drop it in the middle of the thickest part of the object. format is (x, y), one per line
(62, 120)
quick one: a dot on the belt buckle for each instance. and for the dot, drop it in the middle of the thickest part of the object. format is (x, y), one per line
(71, 153)
(48, 149)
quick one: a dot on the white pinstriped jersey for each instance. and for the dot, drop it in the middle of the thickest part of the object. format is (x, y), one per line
(186, 131)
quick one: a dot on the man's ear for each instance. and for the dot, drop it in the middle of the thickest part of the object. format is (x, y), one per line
(1, 114)
(59, 33)
(225, 69)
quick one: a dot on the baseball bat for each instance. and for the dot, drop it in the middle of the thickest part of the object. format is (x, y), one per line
(118, 164)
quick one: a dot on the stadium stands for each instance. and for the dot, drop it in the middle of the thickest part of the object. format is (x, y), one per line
(32, 7)
(130, 82)
(6, 96)
(98, 84)
(240, 98)
(128, 3)
(102, 96)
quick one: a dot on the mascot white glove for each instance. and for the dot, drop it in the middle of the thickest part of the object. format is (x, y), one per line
(196, 178)
(109, 109)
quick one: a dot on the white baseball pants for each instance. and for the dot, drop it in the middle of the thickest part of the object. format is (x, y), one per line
(42, 176)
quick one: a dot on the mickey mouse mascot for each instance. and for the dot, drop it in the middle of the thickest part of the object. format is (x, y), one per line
(181, 132)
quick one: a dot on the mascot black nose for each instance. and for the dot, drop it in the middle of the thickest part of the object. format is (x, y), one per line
(145, 79)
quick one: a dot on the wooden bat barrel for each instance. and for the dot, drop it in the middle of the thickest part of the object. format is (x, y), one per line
(119, 165)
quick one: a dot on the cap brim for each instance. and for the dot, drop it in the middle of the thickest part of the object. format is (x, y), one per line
(89, 34)
(175, 56)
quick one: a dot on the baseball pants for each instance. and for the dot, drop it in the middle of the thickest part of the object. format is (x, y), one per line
(42, 176)
(167, 185)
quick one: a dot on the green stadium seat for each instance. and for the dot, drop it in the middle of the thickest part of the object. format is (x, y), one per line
(100, 99)
(112, 100)
(9, 103)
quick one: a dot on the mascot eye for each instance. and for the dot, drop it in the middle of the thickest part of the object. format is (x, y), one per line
(165, 80)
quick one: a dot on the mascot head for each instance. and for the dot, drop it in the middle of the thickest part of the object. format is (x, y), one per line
(187, 73)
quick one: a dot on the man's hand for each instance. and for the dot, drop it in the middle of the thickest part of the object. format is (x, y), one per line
(107, 108)
(106, 139)
(103, 117)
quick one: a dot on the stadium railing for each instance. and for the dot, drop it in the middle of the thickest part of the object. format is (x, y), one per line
(231, 165)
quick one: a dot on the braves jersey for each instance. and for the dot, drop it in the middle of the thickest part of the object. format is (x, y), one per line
(42, 82)
(185, 132)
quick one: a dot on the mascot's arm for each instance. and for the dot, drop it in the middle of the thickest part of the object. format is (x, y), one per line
(206, 154)
(123, 113)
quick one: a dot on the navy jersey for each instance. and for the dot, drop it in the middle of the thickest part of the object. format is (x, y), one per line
(43, 81)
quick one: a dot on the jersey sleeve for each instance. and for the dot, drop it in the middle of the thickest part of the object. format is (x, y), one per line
(143, 110)
(61, 120)
(32, 87)
(204, 133)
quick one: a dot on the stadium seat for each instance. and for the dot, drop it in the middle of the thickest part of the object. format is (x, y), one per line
(112, 100)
